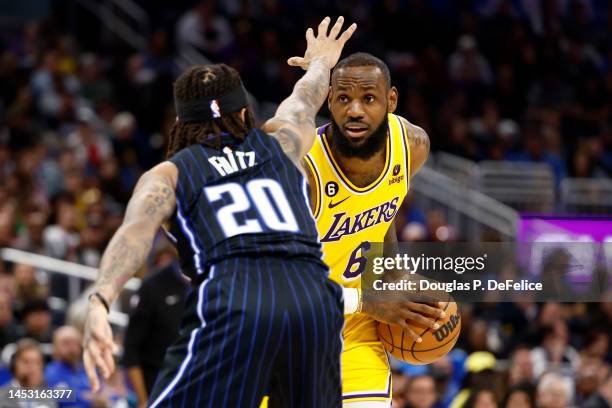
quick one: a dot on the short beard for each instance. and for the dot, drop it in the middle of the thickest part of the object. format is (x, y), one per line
(369, 148)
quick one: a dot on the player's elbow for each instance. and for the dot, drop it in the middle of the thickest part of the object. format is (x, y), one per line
(419, 149)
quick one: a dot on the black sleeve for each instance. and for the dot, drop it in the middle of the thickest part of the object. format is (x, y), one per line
(138, 328)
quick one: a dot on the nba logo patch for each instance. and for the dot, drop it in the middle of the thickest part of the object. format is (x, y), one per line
(396, 169)
(214, 107)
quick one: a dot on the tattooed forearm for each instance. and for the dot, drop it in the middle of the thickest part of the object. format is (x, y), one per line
(296, 114)
(123, 257)
(309, 93)
(153, 201)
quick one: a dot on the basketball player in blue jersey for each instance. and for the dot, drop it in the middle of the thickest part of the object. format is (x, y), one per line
(262, 316)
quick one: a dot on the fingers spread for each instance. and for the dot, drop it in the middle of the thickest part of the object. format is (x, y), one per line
(90, 369)
(310, 35)
(96, 356)
(336, 28)
(348, 33)
(323, 27)
(107, 356)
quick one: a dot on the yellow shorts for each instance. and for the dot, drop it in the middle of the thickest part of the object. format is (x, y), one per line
(366, 374)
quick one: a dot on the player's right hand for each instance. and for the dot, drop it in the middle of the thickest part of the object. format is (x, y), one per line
(402, 311)
(325, 47)
(98, 346)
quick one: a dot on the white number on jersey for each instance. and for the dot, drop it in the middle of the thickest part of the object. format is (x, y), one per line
(268, 198)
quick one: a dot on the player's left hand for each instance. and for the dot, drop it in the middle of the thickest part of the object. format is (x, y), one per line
(98, 345)
(323, 45)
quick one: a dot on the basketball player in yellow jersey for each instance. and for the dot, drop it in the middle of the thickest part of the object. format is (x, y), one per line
(360, 169)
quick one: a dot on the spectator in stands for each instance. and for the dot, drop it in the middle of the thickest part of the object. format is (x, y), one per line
(482, 398)
(205, 30)
(27, 370)
(91, 146)
(554, 391)
(521, 367)
(31, 238)
(7, 286)
(603, 397)
(92, 241)
(399, 384)
(519, 396)
(421, 392)
(27, 284)
(153, 325)
(555, 350)
(94, 86)
(132, 150)
(7, 223)
(36, 317)
(66, 369)
(61, 239)
(53, 89)
(590, 374)
(480, 376)
(8, 328)
(467, 65)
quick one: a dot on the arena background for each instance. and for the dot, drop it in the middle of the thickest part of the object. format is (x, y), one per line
(515, 96)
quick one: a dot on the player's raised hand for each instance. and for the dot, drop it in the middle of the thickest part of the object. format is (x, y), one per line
(324, 46)
(98, 345)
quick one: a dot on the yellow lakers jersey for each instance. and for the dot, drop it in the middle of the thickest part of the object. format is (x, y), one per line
(348, 217)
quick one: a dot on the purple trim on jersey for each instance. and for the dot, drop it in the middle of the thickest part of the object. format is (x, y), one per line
(372, 395)
(322, 129)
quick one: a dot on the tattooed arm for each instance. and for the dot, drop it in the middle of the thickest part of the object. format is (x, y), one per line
(418, 141)
(293, 125)
(152, 202)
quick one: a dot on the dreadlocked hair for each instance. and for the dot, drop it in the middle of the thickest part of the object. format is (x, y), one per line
(206, 82)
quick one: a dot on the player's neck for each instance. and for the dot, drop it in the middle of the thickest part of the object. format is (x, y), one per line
(361, 171)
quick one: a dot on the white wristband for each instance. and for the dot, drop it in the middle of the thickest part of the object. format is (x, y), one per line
(352, 301)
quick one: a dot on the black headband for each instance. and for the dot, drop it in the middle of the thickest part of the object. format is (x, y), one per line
(204, 110)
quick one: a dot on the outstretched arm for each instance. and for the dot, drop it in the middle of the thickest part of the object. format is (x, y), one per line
(293, 125)
(152, 202)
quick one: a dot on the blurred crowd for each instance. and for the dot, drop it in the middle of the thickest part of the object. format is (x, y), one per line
(519, 355)
(82, 116)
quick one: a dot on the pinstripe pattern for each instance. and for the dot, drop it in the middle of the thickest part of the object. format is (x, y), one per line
(267, 321)
(287, 347)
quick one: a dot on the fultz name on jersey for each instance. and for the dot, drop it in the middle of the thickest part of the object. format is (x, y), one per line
(348, 225)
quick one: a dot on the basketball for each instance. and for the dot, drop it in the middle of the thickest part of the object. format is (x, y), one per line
(435, 344)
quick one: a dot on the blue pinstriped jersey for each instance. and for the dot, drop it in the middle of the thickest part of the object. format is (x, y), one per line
(245, 199)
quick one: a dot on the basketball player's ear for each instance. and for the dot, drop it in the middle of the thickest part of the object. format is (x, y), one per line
(329, 98)
(392, 99)
(243, 114)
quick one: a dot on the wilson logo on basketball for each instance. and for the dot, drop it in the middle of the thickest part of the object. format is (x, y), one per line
(444, 331)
